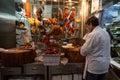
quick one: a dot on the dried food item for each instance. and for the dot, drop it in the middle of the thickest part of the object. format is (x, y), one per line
(51, 51)
(39, 13)
(48, 21)
(60, 14)
(34, 22)
(41, 30)
(55, 31)
(54, 21)
(46, 40)
(68, 28)
(72, 14)
(25, 46)
(53, 44)
(34, 29)
(66, 13)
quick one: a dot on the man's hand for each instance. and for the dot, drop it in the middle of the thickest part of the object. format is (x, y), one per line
(2, 49)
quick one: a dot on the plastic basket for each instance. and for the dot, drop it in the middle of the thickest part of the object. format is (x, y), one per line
(51, 59)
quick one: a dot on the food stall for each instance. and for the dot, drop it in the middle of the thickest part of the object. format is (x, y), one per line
(53, 37)
(57, 29)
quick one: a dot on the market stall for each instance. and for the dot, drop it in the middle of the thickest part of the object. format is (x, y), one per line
(43, 56)
(48, 42)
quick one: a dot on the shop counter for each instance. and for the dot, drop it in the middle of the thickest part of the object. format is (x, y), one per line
(37, 70)
(34, 69)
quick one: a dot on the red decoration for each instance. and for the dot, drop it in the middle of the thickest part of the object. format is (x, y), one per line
(27, 9)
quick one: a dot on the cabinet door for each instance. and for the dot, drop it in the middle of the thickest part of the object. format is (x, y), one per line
(34, 69)
(12, 71)
(70, 68)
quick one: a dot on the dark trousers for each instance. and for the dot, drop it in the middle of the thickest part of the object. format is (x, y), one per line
(91, 76)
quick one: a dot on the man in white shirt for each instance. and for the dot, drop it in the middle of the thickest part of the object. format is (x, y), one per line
(25, 33)
(97, 51)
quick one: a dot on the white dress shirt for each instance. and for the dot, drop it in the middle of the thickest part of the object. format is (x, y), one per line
(97, 50)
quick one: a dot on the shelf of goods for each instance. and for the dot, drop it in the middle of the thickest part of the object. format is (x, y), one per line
(115, 50)
(115, 30)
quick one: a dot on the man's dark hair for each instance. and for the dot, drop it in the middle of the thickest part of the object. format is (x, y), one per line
(22, 23)
(93, 20)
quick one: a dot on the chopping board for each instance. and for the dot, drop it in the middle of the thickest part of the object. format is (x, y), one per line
(73, 54)
(17, 57)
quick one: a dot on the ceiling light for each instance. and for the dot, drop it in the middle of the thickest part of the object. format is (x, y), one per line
(55, 0)
(70, 2)
(23, 1)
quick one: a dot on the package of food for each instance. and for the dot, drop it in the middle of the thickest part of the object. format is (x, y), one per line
(51, 59)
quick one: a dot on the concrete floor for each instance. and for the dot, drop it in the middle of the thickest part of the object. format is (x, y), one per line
(112, 76)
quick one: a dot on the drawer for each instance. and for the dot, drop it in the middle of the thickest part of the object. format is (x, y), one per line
(61, 69)
(12, 71)
(34, 69)
(77, 68)
(69, 68)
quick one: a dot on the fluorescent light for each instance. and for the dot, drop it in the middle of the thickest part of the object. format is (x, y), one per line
(23, 1)
(35, 10)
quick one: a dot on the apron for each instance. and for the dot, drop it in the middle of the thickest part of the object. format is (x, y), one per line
(85, 69)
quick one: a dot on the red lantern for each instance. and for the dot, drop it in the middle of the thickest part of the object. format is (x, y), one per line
(27, 9)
